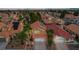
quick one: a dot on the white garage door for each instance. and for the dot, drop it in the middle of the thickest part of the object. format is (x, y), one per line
(40, 44)
(39, 40)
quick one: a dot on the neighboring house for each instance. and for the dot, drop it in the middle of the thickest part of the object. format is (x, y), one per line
(5, 18)
(56, 14)
(59, 31)
(70, 16)
(39, 35)
(48, 19)
(76, 21)
(20, 27)
(71, 19)
(8, 30)
(4, 36)
(38, 30)
(73, 28)
(60, 22)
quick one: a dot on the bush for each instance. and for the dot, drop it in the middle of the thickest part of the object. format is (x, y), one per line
(34, 17)
(63, 13)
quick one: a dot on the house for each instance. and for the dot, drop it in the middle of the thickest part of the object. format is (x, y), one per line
(56, 14)
(39, 35)
(5, 18)
(60, 22)
(69, 16)
(73, 28)
(4, 36)
(59, 31)
(38, 30)
(71, 19)
(48, 18)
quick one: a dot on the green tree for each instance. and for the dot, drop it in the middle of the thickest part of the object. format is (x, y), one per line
(0, 17)
(21, 37)
(63, 13)
(77, 40)
(34, 17)
(26, 26)
(39, 16)
(76, 12)
(50, 36)
(21, 17)
(10, 17)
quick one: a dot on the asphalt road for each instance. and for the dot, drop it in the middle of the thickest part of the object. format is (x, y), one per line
(73, 46)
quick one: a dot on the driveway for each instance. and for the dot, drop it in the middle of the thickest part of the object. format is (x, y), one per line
(3, 43)
(40, 44)
(60, 44)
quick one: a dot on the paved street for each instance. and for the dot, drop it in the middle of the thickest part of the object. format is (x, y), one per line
(73, 46)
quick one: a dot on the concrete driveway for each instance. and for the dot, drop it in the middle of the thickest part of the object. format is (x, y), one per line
(3, 43)
(40, 44)
(60, 44)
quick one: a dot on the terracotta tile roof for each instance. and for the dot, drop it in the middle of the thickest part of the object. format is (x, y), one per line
(37, 25)
(9, 30)
(74, 28)
(38, 31)
(5, 17)
(71, 16)
(48, 19)
(58, 31)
